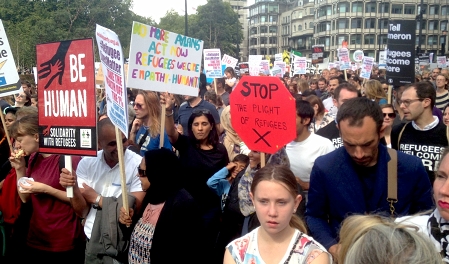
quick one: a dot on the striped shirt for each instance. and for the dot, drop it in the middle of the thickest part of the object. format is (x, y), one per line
(442, 100)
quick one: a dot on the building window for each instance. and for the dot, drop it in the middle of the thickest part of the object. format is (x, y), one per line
(423, 40)
(273, 18)
(382, 40)
(370, 23)
(443, 25)
(263, 8)
(253, 41)
(357, 7)
(424, 9)
(273, 8)
(433, 10)
(273, 29)
(418, 23)
(263, 51)
(263, 19)
(273, 40)
(409, 9)
(444, 10)
(369, 39)
(253, 31)
(396, 9)
(433, 25)
(341, 38)
(343, 23)
(384, 8)
(253, 52)
(343, 7)
(356, 23)
(370, 7)
(273, 51)
(432, 40)
(355, 39)
(264, 29)
(263, 40)
(299, 27)
(310, 24)
(383, 24)
(324, 26)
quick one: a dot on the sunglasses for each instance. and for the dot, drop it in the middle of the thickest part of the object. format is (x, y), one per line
(390, 115)
(141, 173)
(201, 111)
(20, 95)
(114, 143)
(138, 106)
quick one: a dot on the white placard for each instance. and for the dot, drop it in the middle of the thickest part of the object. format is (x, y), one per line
(441, 62)
(278, 57)
(9, 78)
(212, 63)
(111, 53)
(163, 61)
(300, 65)
(343, 58)
(229, 61)
(367, 67)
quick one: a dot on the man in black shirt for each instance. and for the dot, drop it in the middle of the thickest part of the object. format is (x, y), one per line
(342, 93)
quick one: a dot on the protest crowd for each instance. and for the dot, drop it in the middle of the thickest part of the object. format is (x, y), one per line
(363, 179)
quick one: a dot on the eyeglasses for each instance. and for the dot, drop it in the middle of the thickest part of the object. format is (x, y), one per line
(390, 115)
(408, 102)
(141, 173)
(201, 111)
(114, 143)
(20, 95)
(138, 106)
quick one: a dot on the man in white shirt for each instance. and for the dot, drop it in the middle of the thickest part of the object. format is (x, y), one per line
(303, 151)
(98, 177)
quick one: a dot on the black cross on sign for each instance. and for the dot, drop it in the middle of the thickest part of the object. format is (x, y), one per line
(261, 137)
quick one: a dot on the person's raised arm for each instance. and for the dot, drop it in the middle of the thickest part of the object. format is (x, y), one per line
(170, 128)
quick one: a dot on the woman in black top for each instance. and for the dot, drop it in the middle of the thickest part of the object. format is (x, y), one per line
(201, 155)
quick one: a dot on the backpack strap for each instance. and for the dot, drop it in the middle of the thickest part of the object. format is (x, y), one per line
(400, 133)
(392, 179)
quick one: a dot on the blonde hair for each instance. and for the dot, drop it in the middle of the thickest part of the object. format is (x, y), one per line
(373, 90)
(284, 176)
(303, 86)
(375, 239)
(151, 100)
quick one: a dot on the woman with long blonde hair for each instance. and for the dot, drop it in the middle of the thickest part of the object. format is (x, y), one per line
(373, 90)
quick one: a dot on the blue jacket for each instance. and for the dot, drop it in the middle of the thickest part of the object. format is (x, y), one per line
(336, 192)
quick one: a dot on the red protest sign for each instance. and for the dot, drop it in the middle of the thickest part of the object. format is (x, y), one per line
(66, 95)
(263, 113)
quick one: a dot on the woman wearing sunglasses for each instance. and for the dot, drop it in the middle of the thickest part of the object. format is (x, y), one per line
(166, 229)
(22, 99)
(389, 116)
(201, 156)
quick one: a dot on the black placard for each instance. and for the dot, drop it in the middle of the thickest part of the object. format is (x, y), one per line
(317, 54)
(400, 52)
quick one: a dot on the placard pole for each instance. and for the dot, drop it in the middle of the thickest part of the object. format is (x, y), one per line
(118, 136)
(68, 166)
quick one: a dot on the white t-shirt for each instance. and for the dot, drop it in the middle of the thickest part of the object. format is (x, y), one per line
(302, 155)
(106, 180)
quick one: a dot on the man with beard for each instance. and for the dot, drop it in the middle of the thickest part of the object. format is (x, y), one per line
(353, 179)
(194, 103)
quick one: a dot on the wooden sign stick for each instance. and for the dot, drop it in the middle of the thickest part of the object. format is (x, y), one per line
(68, 166)
(262, 159)
(162, 133)
(118, 136)
(6, 132)
(215, 86)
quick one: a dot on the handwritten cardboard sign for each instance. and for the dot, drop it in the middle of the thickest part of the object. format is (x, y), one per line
(111, 56)
(343, 57)
(9, 78)
(66, 94)
(263, 113)
(367, 67)
(229, 61)
(212, 63)
(163, 61)
(300, 65)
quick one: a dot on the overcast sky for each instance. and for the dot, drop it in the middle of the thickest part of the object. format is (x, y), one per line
(147, 8)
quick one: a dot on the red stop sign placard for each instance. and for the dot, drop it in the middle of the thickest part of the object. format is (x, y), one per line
(263, 113)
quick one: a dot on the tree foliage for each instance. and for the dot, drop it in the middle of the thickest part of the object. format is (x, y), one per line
(218, 26)
(30, 22)
(215, 23)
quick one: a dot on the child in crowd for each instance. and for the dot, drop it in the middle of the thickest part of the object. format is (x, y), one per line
(221, 181)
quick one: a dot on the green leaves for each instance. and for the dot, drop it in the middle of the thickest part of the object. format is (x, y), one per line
(30, 22)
